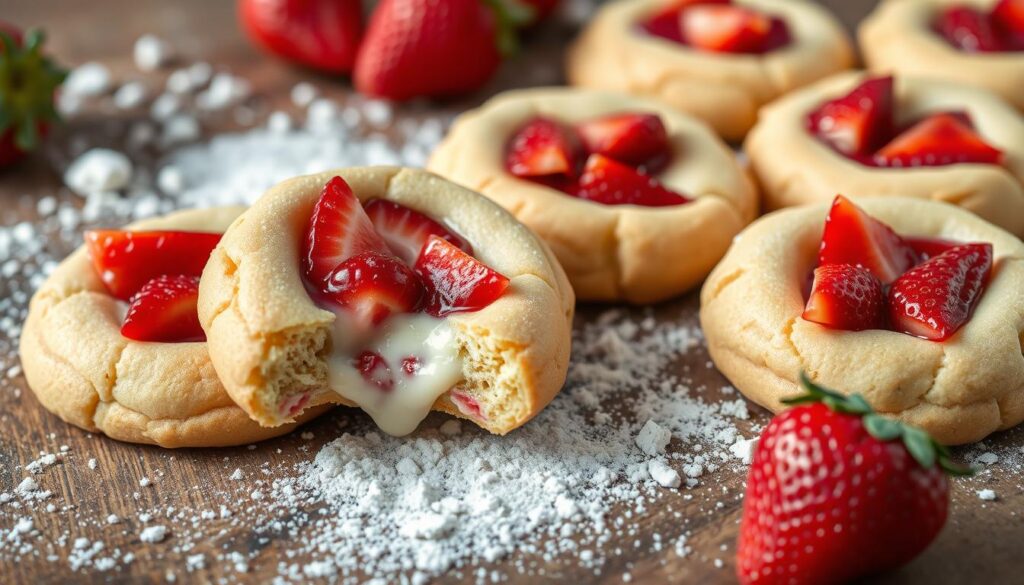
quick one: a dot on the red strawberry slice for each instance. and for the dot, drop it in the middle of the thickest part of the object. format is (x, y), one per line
(851, 236)
(125, 260)
(338, 230)
(846, 297)
(639, 140)
(969, 30)
(164, 310)
(667, 22)
(927, 248)
(836, 492)
(933, 300)
(375, 370)
(940, 139)
(860, 121)
(373, 286)
(542, 148)
(406, 231)
(455, 281)
(609, 182)
(725, 28)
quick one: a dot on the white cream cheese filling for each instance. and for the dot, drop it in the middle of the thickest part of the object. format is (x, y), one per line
(400, 410)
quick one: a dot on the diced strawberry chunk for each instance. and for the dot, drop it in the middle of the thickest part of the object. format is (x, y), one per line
(969, 30)
(373, 286)
(609, 182)
(375, 370)
(851, 236)
(125, 261)
(927, 248)
(543, 148)
(846, 297)
(411, 365)
(164, 310)
(406, 231)
(940, 139)
(639, 140)
(667, 22)
(860, 121)
(725, 28)
(468, 405)
(455, 281)
(338, 230)
(1008, 17)
(933, 300)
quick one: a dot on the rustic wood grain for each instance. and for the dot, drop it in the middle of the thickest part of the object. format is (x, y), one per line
(982, 540)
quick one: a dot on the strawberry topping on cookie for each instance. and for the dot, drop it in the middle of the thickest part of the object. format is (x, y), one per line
(127, 260)
(338, 230)
(870, 277)
(613, 161)
(933, 300)
(405, 231)
(373, 286)
(861, 125)
(975, 31)
(456, 281)
(165, 310)
(719, 26)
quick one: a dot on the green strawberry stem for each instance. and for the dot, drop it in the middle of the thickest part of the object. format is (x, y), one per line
(28, 80)
(509, 16)
(921, 446)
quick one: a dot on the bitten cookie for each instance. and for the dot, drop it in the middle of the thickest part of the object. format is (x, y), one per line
(717, 61)
(83, 370)
(962, 41)
(870, 136)
(637, 200)
(964, 381)
(392, 289)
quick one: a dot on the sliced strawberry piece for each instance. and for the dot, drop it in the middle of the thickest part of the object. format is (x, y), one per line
(927, 248)
(164, 310)
(933, 300)
(543, 148)
(375, 370)
(128, 260)
(406, 231)
(609, 182)
(860, 121)
(1008, 16)
(338, 230)
(667, 22)
(455, 281)
(725, 28)
(846, 297)
(373, 286)
(851, 236)
(639, 140)
(939, 139)
(969, 29)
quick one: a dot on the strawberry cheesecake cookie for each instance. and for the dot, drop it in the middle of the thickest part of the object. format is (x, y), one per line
(637, 200)
(879, 136)
(976, 42)
(389, 289)
(112, 341)
(719, 60)
(914, 304)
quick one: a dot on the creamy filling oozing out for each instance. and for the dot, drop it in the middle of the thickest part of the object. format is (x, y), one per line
(403, 398)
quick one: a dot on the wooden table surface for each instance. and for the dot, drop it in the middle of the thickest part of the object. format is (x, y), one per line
(982, 541)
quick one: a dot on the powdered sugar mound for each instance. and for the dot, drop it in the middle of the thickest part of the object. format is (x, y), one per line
(448, 498)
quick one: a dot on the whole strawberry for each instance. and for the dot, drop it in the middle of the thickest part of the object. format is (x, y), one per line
(322, 34)
(28, 80)
(836, 492)
(432, 48)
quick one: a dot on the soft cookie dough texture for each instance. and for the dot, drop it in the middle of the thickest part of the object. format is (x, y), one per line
(726, 90)
(898, 37)
(82, 369)
(794, 166)
(610, 252)
(269, 340)
(959, 390)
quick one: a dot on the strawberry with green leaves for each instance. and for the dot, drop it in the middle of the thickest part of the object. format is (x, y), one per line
(28, 80)
(836, 492)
